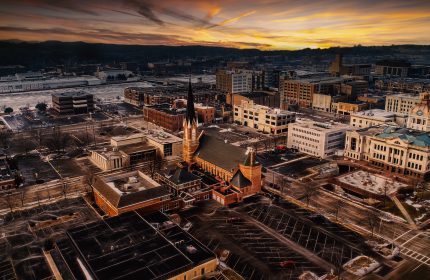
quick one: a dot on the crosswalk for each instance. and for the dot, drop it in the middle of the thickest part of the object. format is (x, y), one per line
(415, 256)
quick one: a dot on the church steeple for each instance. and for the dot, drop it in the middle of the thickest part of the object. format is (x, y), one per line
(191, 113)
(190, 141)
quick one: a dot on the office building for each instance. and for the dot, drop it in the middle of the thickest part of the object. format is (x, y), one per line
(262, 118)
(401, 103)
(300, 92)
(70, 103)
(315, 138)
(239, 81)
(337, 68)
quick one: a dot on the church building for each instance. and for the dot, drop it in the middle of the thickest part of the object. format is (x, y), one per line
(235, 166)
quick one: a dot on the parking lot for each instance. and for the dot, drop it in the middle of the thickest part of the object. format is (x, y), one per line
(277, 238)
(254, 253)
(326, 240)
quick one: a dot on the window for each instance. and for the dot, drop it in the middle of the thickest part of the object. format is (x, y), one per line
(168, 149)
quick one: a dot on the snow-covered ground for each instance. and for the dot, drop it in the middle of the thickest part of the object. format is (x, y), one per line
(372, 183)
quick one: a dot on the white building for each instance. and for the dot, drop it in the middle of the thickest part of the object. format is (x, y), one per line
(376, 117)
(316, 139)
(241, 81)
(401, 103)
(263, 118)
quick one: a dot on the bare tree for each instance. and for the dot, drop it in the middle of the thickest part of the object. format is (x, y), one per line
(38, 198)
(309, 192)
(64, 188)
(9, 201)
(22, 195)
(337, 207)
(283, 183)
(88, 180)
(372, 220)
(156, 164)
(37, 135)
(385, 188)
(24, 144)
(58, 141)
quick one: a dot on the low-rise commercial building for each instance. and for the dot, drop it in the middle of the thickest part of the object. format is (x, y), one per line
(262, 118)
(134, 245)
(69, 103)
(129, 191)
(392, 149)
(316, 139)
(349, 107)
(167, 145)
(124, 151)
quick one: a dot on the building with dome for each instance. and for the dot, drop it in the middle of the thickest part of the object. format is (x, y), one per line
(393, 149)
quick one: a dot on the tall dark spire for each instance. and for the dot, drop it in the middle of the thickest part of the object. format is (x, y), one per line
(191, 114)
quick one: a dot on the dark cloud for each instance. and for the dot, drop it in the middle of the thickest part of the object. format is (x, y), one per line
(100, 33)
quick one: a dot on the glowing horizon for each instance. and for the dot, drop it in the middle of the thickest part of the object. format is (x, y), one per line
(265, 24)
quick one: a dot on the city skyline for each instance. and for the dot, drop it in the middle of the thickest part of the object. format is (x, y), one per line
(243, 24)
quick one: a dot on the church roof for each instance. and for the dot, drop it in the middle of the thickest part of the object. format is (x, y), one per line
(220, 153)
(180, 176)
(239, 180)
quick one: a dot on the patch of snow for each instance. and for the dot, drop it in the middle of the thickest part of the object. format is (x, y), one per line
(361, 265)
(373, 183)
(213, 126)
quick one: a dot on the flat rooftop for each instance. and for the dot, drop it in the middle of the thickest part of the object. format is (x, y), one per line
(129, 188)
(373, 183)
(319, 126)
(162, 137)
(71, 94)
(130, 182)
(375, 114)
(130, 246)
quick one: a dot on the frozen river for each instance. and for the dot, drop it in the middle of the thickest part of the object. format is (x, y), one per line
(103, 92)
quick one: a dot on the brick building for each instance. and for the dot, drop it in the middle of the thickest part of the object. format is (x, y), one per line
(165, 116)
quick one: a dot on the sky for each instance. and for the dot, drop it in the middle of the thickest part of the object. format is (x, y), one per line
(264, 24)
